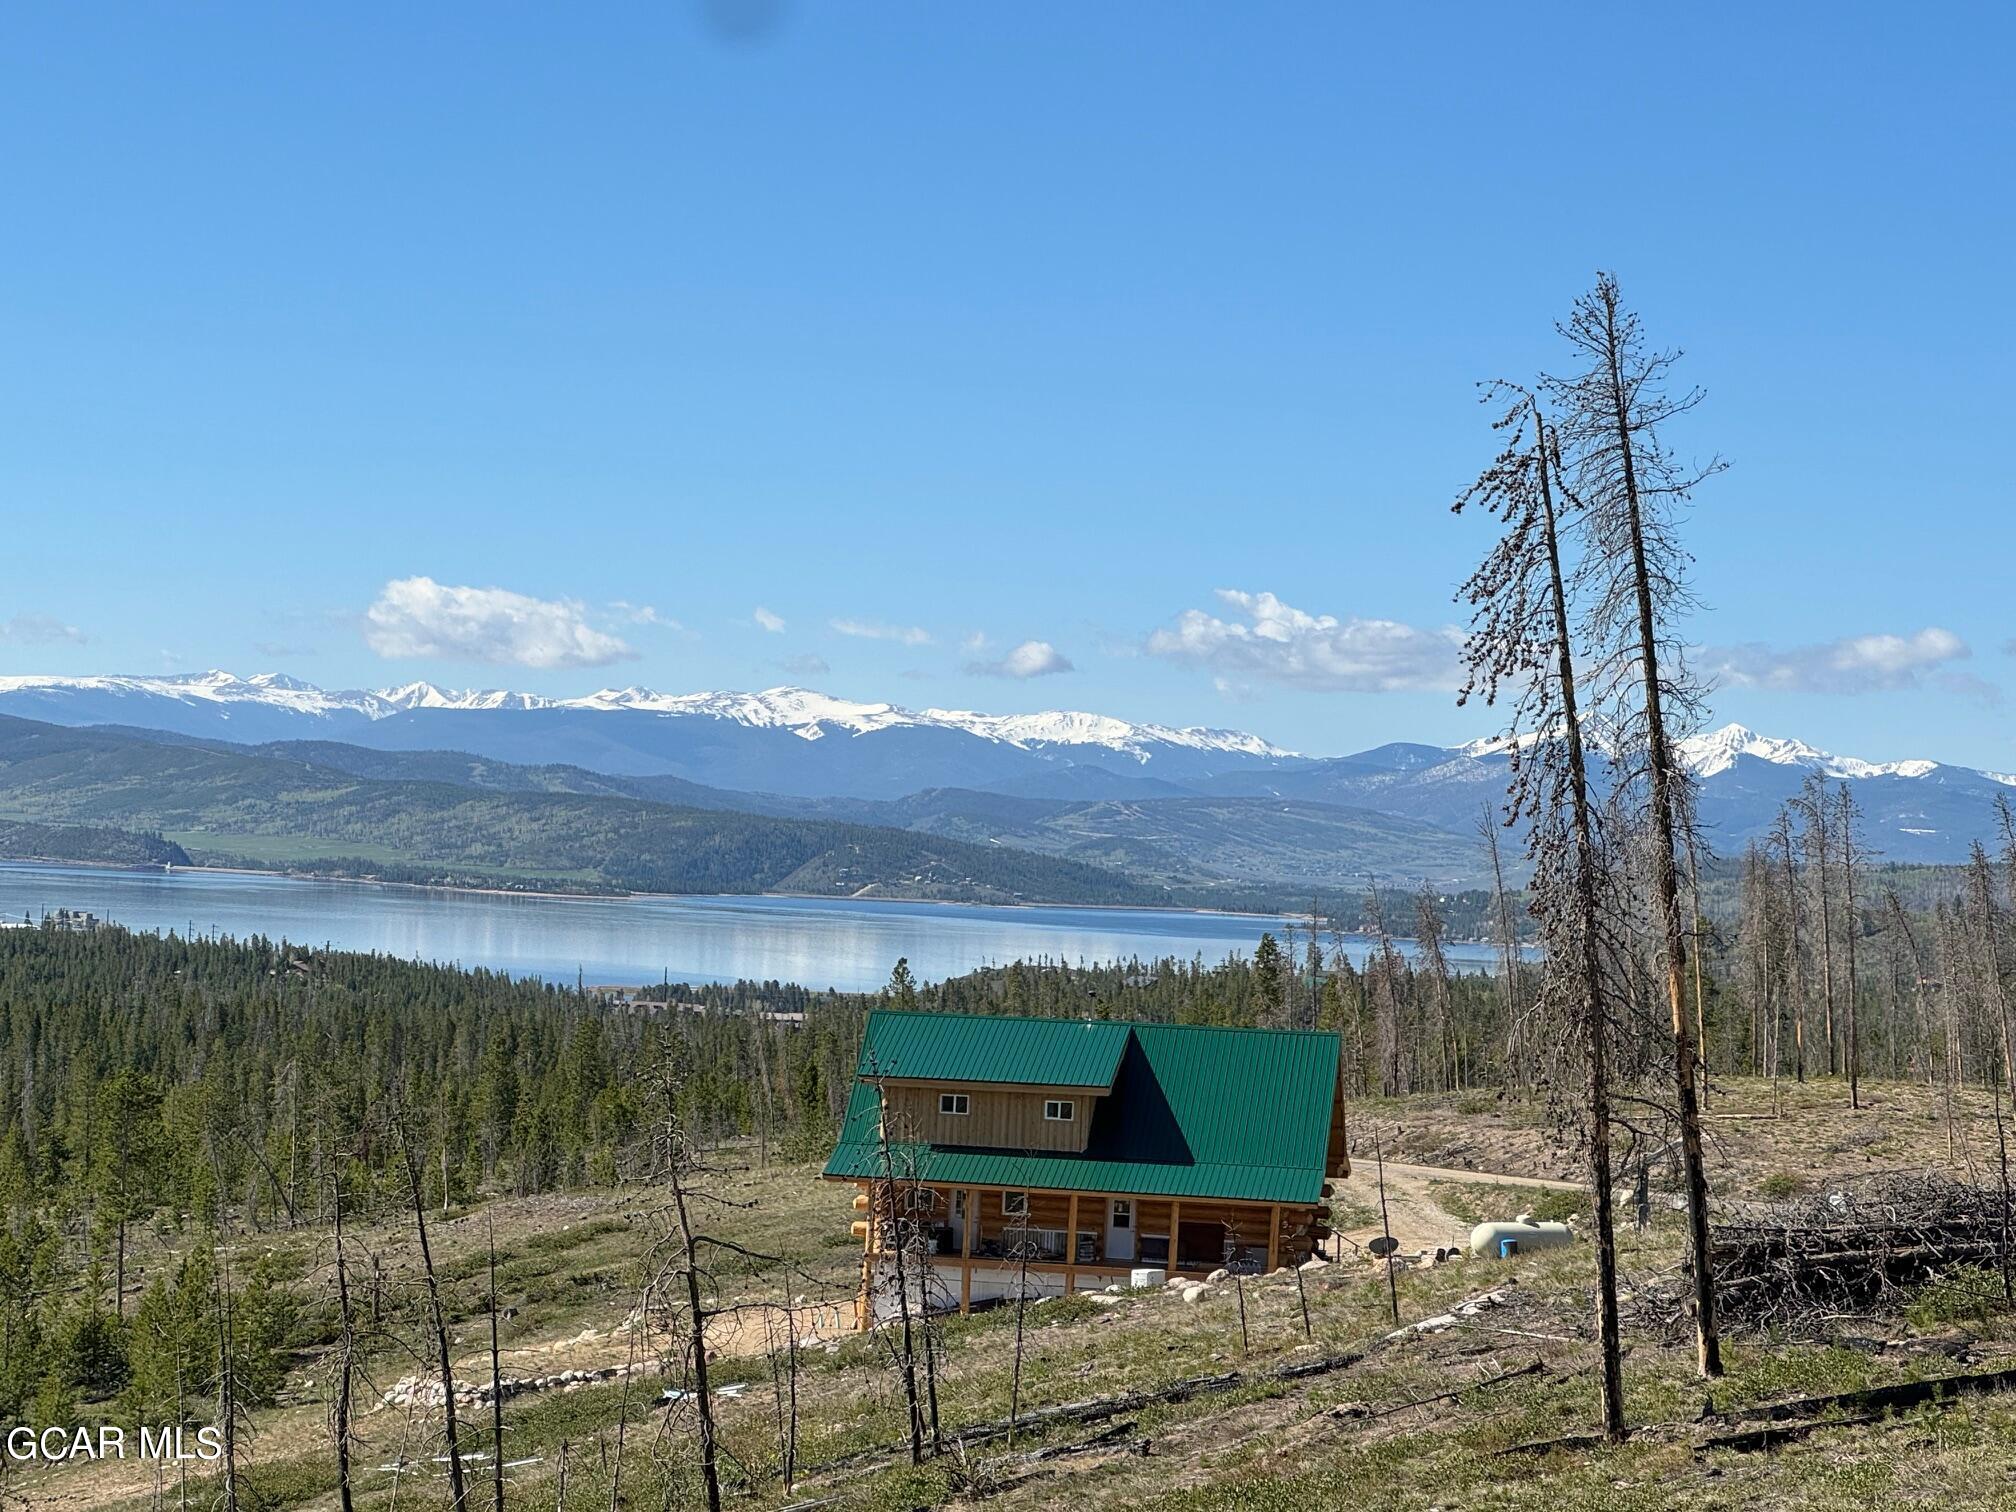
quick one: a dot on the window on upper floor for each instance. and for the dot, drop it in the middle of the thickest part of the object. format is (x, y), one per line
(954, 1104)
(1060, 1110)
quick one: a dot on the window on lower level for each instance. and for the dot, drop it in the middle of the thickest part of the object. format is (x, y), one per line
(954, 1104)
(1123, 1214)
(1060, 1110)
(1014, 1204)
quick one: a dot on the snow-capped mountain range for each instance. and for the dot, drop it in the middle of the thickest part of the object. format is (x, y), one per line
(802, 744)
(1717, 751)
(804, 713)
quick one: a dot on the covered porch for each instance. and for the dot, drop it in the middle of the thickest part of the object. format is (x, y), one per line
(980, 1242)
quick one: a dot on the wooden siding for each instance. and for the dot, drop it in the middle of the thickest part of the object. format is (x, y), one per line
(1337, 1159)
(997, 1120)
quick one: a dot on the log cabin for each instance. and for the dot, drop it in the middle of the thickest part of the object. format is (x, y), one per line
(1063, 1156)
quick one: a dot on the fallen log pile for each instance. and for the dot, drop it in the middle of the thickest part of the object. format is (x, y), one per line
(1747, 1429)
(1854, 1249)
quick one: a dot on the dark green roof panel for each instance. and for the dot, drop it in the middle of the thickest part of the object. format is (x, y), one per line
(1194, 1112)
(971, 1047)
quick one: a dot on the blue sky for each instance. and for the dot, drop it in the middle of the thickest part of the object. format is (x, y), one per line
(975, 344)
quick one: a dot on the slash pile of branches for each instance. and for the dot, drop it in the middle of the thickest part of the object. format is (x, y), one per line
(1855, 1248)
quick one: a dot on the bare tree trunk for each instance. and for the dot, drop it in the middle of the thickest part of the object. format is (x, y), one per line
(615, 1471)
(1815, 804)
(762, 1092)
(1848, 844)
(346, 1364)
(1508, 947)
(1588, 968)
(1022, 1307)
(907, 1364)
(1700, 933)
(496, 1383)
(227, 1382)
(710, 1473)
(458, 1488)
(2002, 1156)
(1796, 961)
(1385, 1230)
(1666, 895)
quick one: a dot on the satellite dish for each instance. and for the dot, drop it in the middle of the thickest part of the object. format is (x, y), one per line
(1383, 1246)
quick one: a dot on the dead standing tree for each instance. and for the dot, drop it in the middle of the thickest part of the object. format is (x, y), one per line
(1516, 1072)
(1521, 640)
(341, 1408)
(1018, 1243)
(1814, 808)
(1434, 971)
(1795, 961)
(1630, 490)
(496, 1380)
(906, 1162)
(672, 1300)
(889, 1223)
(1847, 815)
(1382, 972)
(458, 1486)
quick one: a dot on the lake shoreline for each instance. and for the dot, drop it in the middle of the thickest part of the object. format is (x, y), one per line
(815, 942)
(617, 897)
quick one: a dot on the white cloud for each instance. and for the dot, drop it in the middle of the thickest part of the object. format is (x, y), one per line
(805, 665)
(417, 616)
(1282, 644)
(40, 630)
(908, 635)
(774, 623)
(1032, 658)
(644, 614)
(1852, 664)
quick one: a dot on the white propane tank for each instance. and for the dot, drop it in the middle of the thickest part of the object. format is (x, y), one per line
(1501, 1241)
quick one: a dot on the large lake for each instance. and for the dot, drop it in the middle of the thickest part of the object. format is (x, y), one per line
(821, 942)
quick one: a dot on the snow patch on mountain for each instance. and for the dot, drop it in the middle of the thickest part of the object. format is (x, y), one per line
(274, 689)
(1715, 751)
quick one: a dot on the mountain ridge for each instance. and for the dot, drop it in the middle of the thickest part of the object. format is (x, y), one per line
(781, 747)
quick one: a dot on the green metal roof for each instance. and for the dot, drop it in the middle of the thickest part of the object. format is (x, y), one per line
(1239, 1114)
(972, 1047)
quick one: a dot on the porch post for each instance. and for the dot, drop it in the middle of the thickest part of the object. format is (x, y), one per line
(1273, 1238)
(864, 1309)
(1071, 1247)
(1175, 1232)
(966, 1250)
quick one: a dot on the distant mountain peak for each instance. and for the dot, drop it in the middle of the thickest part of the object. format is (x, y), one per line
(1716, 751)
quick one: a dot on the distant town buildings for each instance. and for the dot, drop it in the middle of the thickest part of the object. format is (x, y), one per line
(63, 920)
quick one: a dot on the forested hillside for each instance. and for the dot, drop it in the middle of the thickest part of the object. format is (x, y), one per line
(94, 844)
(1264, 849)
(222, 806)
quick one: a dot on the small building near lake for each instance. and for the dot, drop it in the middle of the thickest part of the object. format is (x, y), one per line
(1076, 1152)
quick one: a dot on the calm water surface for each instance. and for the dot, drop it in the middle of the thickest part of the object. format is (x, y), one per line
(821, 942)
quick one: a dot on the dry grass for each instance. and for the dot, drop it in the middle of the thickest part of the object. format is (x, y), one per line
(1346, 1438)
